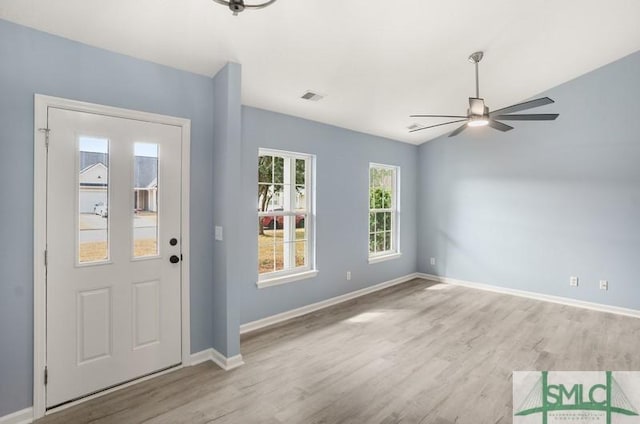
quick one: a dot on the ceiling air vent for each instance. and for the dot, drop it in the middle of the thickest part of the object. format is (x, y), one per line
(310, 95)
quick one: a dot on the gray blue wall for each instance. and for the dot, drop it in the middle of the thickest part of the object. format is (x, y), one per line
(33, 62)
(342, 181)
(529, 208)
(223, 274)
(227, 175)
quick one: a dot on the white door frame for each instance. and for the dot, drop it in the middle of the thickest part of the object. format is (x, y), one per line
(41, 105)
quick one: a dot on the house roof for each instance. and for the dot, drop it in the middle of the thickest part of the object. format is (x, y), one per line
(88, 159)
(145, 171)
(95, 175)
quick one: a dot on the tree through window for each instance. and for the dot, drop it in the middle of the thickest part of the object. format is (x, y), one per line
(284, 213)
(383, 210)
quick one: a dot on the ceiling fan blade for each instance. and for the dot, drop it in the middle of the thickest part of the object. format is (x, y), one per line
(529, 117)
(436, 116)
(437, 125)
(499, 126)
(523, 106)
(458, 130)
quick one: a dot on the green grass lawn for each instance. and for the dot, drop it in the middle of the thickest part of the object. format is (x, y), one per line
(266, 250)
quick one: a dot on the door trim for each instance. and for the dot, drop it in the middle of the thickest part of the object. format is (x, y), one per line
(41, 105)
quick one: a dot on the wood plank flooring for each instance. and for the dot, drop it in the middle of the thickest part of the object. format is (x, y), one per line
(420, 352)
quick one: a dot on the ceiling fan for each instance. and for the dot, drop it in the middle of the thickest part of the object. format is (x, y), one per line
(237, 6)
(478, 115)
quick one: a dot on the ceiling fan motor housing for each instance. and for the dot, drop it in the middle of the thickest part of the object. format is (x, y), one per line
(478, 113)
(477, 108)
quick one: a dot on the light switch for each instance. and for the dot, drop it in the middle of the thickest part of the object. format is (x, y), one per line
(218, 232)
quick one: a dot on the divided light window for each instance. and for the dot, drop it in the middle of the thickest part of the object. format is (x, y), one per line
(285, 214)
(384, 222)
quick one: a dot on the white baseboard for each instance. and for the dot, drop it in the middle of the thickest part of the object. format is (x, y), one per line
(200, 357)
(218, 358)
(274, 319)
(537, 296)
(19, 417)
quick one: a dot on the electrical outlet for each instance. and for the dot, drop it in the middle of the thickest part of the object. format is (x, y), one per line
(573, 281)
(604, 285)
(348, 275)
(433, 261)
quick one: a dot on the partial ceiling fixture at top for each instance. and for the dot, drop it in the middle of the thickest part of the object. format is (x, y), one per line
(237, 6)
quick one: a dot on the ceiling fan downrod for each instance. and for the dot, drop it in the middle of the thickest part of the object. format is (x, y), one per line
(475, 58)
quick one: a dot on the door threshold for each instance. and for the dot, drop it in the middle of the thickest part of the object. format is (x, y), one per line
(109, 390)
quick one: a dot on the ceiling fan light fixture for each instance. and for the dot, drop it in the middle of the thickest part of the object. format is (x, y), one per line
(478, 121)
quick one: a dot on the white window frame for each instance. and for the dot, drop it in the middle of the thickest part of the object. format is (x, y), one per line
(275, 278)
(394, 252)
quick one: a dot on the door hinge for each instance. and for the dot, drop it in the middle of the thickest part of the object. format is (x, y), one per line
(46, 136)
(181, 256)
(45, 258)
(46, 376)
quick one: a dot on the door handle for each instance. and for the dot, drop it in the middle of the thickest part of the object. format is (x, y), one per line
(174, 259)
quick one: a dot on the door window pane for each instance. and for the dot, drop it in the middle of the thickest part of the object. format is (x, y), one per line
(93, 200)
(145, 200)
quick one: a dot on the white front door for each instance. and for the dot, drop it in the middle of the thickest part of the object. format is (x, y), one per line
(113, 252)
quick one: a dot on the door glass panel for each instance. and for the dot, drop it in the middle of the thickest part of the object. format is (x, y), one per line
(145, 200)
(93, 200)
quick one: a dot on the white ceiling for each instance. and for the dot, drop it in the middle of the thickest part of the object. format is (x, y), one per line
(376, 61)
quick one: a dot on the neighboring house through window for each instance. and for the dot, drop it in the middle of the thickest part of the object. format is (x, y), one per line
(384, 216)
(285, 217)
(94, 182)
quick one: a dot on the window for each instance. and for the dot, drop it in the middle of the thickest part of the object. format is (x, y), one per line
(384, 217)
(145, 200)
(93, 200)
(285, 217)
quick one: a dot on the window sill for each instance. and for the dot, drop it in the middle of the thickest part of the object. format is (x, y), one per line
(287, 279)
(382, 258)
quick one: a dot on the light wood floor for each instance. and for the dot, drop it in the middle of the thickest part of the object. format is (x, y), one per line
(419, 352)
